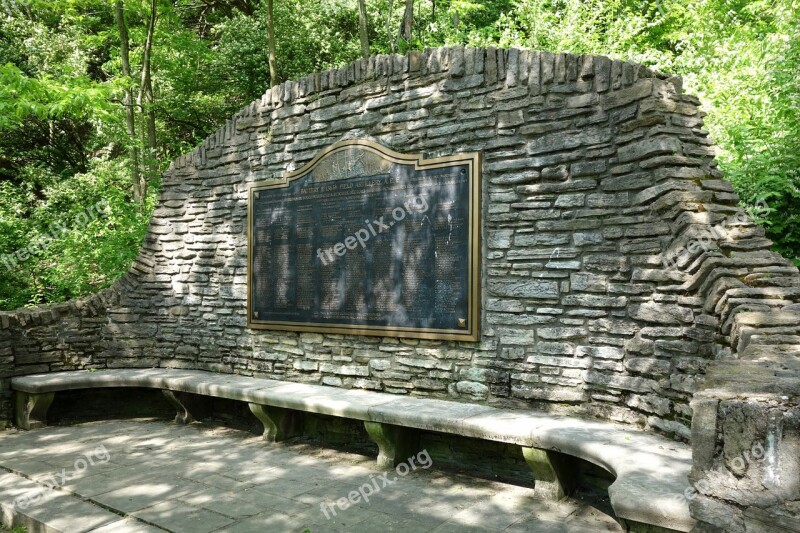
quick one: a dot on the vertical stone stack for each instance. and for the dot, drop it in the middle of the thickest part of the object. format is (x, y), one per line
(746, 426)
(615, 259)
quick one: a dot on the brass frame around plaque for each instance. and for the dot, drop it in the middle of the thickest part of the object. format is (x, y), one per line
(471, 332)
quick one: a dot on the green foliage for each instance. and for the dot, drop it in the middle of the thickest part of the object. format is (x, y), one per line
(91, 230)
(63, 144)
(45, 98)
(15, 529)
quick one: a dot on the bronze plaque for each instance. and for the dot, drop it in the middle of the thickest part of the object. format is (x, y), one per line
(367, 241)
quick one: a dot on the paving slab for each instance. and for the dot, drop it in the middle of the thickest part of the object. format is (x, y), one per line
(127, 525)
(24, 502)
(160, 476)
(175, 515)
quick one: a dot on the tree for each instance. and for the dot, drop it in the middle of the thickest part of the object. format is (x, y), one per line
(139, 186)
(273, 61)
(389, 33)
(362, 27)
(145, 97)
(408, 21)
(71, 132)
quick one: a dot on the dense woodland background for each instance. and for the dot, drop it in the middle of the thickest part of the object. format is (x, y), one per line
(97, 96)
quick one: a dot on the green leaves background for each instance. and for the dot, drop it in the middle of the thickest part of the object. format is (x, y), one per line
(63, 145)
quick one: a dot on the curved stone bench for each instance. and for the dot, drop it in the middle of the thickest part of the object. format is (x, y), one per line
(651, 471)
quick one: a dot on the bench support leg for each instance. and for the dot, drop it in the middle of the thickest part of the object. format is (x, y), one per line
(395, 443)
(30, 410)
(279, 423)
(555, 473)
(189, 407)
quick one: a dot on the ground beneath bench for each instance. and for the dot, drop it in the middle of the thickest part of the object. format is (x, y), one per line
(146, 475)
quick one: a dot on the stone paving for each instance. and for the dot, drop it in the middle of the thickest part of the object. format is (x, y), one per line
(146, 475)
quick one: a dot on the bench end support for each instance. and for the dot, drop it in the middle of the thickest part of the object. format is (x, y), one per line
(279, 423)
(395, 443)
(555, 473)
(30, 410)
(189, 407)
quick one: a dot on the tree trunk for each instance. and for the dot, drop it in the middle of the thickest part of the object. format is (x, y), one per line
(389, 32)
(145, 97)
(127, 102)
(362, 26)
(273, 61)
(408, 20)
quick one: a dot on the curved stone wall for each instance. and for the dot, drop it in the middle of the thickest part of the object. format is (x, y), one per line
(615, 259)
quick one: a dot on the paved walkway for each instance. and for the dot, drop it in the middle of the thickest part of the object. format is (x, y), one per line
(146, 476)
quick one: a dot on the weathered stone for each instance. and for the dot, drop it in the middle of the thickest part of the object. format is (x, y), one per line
(607, 200)
(592, 300)
(510, 119)
(603, 352)
(558, 333)
(649, 147)
(586, 282)
(647, 365)
(567, 362)
(588, 168)
(570, 200)
(650, 403)
(528, 288)
(500, 238)
(640, 90)
(582, 238)
(555, 474)
(594, 171)
(556, 348)
(661, 313)
(523, 337)
(622, 382)
(477, 391)
(524, 240)
(558, 173)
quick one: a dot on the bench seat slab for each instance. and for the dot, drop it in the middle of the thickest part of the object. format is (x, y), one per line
(30, 410)
(650, 471)
(395, 443)
(279, 423)
(555, 473)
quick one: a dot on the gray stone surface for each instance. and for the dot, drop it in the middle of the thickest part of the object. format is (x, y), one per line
(218, 479)
(643, 463)
(608, 224)
(586, 193)
(59, 511)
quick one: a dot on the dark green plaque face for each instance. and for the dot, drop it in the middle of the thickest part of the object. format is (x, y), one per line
(367, 241)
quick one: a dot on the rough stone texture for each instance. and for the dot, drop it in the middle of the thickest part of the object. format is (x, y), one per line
(746, 430)
(612, 245)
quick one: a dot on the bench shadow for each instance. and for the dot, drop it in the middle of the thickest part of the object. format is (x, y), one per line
(282, 485)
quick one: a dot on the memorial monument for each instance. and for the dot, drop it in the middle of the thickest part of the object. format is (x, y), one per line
(564, 240)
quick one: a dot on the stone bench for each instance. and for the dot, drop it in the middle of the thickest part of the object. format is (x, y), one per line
(651, 471)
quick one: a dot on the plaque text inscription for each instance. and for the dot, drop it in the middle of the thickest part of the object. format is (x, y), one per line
(363, 240)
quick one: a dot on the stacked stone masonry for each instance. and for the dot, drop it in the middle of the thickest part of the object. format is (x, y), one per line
(617, 266)
(595, 170)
